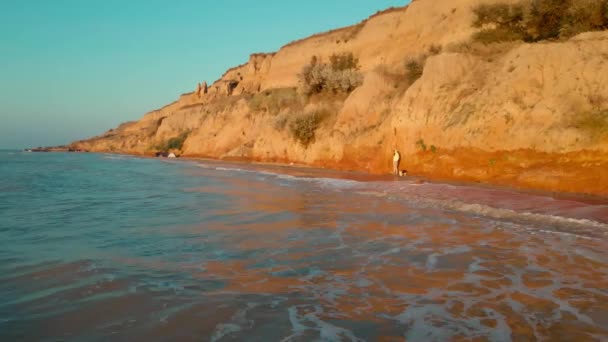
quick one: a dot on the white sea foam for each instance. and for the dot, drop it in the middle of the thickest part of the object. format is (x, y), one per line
(334, 183)
(327, 331)
(224, 329)
(528, 217)
(545, 223)
(116, 157)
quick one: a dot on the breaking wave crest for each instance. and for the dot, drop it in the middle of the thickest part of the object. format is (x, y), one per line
(583, 228)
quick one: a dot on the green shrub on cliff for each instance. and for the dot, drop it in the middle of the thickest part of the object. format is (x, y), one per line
(499, 23)
(414, 67)
(498, 35)
(420, 143)
(537, 20)
(341, 75)
(345, 61)
(594, 123)
(502, 14)
(585, 16)
(273, 101)
(175, 143)
(304, 127)
(544, 19)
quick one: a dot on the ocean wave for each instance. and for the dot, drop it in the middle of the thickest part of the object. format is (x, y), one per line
(584, 228)
(116, 157)
(334, 183)
(416, 194)
(322, 181)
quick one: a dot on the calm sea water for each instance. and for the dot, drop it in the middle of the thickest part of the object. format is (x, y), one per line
(105, 247)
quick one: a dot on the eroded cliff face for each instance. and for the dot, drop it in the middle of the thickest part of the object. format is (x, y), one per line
(517, 114)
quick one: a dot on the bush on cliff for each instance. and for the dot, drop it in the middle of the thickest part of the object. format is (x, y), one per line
(341, 75)
(175, 143)
(273, 101)
(304, 127)
(499, 22)
(345, 61)
(414, 67)
(537, 20)
(585, 16)
(594, 123)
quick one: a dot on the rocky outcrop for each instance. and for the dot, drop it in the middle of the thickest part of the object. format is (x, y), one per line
(201, 89)
(529, 115)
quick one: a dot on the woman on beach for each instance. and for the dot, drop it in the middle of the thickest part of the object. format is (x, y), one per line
(396, 160)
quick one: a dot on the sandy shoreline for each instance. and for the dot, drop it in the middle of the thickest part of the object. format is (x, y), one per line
(328, 170)
(303, 170)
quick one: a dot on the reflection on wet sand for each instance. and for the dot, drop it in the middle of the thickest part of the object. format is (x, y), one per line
(427, 275)
(286, 259)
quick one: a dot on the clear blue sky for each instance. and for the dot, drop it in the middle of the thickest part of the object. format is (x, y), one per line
(70, 69)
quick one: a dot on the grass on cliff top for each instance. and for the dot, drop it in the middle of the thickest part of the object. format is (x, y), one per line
(538, 20)
(218, 105)
(273, 101)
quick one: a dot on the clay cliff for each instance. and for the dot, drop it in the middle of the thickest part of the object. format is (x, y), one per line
(516, 113)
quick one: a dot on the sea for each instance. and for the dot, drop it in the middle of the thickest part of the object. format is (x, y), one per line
(104, 247)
